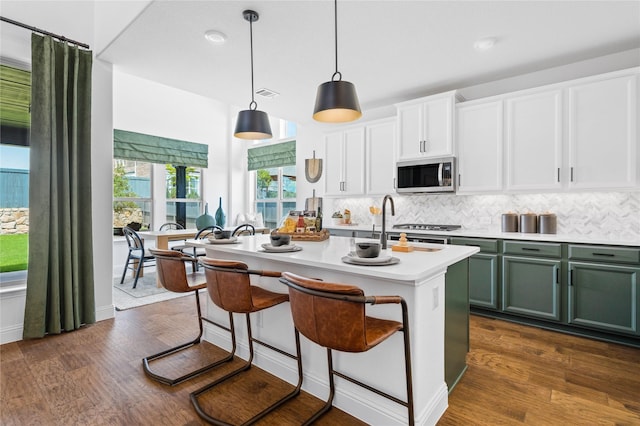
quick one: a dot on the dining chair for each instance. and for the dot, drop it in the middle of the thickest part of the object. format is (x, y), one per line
(333, 316)
(169, 226)
(138, 256)
(196, 252)
(244, 229)
(229, 287)
(172, 274)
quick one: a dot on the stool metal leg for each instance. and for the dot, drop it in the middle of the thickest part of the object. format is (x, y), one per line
(246, 366)
(198, 339)
(332, 388)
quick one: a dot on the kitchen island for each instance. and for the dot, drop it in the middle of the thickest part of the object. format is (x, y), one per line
(419, 278)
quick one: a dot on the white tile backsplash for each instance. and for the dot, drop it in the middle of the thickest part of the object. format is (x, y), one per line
(593, 213)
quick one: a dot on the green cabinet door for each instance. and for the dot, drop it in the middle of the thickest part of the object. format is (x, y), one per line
(483, 280)
(604, 297)
(531, 287)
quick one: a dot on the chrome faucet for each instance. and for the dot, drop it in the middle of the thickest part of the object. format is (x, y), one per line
(383, 233)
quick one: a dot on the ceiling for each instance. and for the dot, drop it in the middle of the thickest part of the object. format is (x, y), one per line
(391, 50)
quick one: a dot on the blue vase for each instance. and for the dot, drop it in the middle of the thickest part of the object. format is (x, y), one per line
(221, 218)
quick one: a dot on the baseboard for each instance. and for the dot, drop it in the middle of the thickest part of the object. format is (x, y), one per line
(105, 312)
(11, 334)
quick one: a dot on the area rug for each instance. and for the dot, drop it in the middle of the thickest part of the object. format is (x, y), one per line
(145, 293)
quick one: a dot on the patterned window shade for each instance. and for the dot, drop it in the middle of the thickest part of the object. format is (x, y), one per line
(155, 149)
(277, 155)
(15, 100)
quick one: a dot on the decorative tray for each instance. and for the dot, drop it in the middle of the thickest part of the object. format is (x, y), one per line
(306, 236)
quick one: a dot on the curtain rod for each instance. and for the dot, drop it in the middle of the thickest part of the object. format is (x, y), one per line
(37, 30)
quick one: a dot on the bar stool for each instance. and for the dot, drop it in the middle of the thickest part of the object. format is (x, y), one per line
(229, 287)
(334, 316)
(170, 266)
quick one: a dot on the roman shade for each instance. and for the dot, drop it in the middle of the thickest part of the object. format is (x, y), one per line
(15, 99)
(277, 155)
(155, 149)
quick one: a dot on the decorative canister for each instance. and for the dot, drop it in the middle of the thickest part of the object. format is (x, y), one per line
(509, 222)
(547, 223)
(529, 223)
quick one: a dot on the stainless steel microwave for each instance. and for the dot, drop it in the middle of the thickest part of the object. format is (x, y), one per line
(426, 175)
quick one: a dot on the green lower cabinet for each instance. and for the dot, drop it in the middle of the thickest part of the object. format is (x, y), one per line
(604, 297)
(483, 280)
(531, 287)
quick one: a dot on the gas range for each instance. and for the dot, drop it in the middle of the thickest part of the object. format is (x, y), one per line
(426, 227)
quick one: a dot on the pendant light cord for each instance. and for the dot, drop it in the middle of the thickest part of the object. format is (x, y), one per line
(253, 102)
(335, 28)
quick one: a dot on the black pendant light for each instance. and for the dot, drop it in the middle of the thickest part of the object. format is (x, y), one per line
(336, 101)
(251, 123)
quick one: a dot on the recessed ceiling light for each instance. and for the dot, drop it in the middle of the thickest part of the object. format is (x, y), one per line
(484, 43)
(215, 37)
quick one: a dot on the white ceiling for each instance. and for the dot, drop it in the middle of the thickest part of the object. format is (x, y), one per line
(391, 50)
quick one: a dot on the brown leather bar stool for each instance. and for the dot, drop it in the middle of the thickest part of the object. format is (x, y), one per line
(334, 316)
(229, 286)
(171, 270)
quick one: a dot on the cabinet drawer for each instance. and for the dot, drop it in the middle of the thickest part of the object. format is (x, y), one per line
(486, 246)
(533, 249)
(604, 254)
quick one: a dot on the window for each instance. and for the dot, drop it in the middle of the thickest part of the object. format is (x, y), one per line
(15, 122)
(132, 193)
(273, 173)
(183, 205)
(275, 190)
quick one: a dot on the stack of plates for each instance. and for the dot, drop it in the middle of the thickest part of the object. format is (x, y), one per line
(212, 240)
(370, 261)
(280, 249)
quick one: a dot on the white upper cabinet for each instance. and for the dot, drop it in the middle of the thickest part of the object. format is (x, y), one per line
(602, 138)
(533, 144)
(575, 135)
(344, 158)
(380, 163)
(425, 127)
(479, 130)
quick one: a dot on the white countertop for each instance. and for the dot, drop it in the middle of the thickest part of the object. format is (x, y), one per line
(612, 239)
(413, 267)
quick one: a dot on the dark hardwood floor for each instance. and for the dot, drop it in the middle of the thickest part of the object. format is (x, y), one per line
(94, 376)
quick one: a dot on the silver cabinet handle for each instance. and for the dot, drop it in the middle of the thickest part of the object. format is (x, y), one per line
(571, 174)
(558, 174)
(459, 180)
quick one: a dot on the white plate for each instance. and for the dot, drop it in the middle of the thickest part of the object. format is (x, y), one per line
(380, 259)
(280, 249)
(371, 261)
(223, 240)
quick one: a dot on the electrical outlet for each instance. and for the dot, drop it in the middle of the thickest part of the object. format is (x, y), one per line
(436, 298)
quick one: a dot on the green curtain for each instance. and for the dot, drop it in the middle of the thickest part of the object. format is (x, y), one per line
(60, 281)
(277, 155)
(155, 149)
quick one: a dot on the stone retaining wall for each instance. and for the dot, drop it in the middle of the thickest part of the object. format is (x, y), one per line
(14, 221)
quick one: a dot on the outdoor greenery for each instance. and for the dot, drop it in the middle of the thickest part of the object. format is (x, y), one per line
(263, 181)
(192, 175)
(121, 189)
(15, 252)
